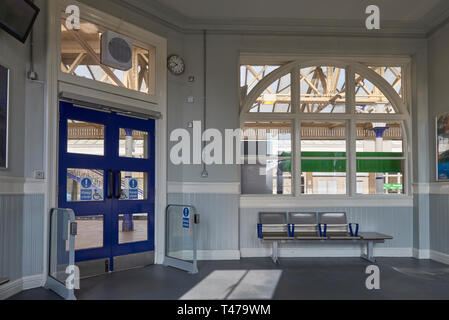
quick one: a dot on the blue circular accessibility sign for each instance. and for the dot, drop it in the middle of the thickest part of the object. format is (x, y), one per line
(186, 212)
(133, 183)
(86, 183)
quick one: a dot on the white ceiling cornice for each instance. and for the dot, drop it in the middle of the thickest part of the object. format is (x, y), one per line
(174, 19)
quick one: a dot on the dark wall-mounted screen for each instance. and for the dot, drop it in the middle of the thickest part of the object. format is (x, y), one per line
(17, 17)
(4, 89)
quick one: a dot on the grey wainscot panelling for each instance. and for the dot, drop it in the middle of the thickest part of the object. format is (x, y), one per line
(439, 223)
(421, 222)
(219, 218)
(21, 235)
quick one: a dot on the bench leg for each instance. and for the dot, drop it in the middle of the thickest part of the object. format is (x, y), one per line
(369, 256)
(274, 252)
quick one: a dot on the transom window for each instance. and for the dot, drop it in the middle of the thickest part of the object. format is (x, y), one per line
(80, 56)
(393, 75)
(323, 90)
(324, 129)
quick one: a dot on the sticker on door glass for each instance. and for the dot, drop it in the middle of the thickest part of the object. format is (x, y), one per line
(133, 189)
(86, 189)
(84, 185)
(186, 218)
(133, 184)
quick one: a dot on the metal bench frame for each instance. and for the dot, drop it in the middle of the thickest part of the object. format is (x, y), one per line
(369, 243)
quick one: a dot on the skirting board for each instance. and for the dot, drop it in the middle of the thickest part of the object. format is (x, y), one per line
(12, 288)
(439, 256)
(298, 253)
(218, 254)
(421, 253)
(324, 252)
(208, 255)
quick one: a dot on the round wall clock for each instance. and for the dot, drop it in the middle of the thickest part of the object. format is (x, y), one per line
(176, 65)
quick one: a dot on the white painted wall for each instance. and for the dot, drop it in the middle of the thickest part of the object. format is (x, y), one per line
(223, 80)
(438, 85)
(439, 103)
(22, 209)
(222, 95)
(26, 100)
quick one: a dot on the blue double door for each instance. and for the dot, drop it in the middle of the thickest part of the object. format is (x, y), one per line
(106, 175)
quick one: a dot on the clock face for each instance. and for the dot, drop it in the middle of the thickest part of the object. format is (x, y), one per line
(176, 65)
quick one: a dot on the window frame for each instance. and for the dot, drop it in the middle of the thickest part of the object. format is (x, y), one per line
(400, 104)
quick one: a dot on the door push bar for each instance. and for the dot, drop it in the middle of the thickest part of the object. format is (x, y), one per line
(110, 194)
(114, 184)
(118, 184)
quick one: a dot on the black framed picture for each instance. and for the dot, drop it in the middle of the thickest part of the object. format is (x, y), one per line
(443, 147)
(4, 104)
(17, 17)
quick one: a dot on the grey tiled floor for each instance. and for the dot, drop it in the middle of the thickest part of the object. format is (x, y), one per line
(259, 278)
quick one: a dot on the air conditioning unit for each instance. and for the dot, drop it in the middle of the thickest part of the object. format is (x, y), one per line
(116, 51)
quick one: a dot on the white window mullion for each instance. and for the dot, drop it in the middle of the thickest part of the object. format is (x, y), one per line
(407, 168)
(350, 91)
(296, 148)
(352, 158)
(295, 90)
(296, 154)
(351, 134)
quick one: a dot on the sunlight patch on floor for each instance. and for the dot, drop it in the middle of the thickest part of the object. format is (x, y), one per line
(236, 284)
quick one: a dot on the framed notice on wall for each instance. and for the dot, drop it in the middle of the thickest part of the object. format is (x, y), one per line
(443, 147)
(4, 91)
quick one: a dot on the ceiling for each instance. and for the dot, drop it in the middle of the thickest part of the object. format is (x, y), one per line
(412, 17)
(408, 10)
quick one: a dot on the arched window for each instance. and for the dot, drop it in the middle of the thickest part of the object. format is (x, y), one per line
(326, 128)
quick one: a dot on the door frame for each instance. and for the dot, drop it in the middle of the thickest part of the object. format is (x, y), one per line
(111, 208)
(54, 88)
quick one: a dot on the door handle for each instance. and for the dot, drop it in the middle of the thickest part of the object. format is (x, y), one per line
(118, 184)
(110, 184)
(73, 229)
